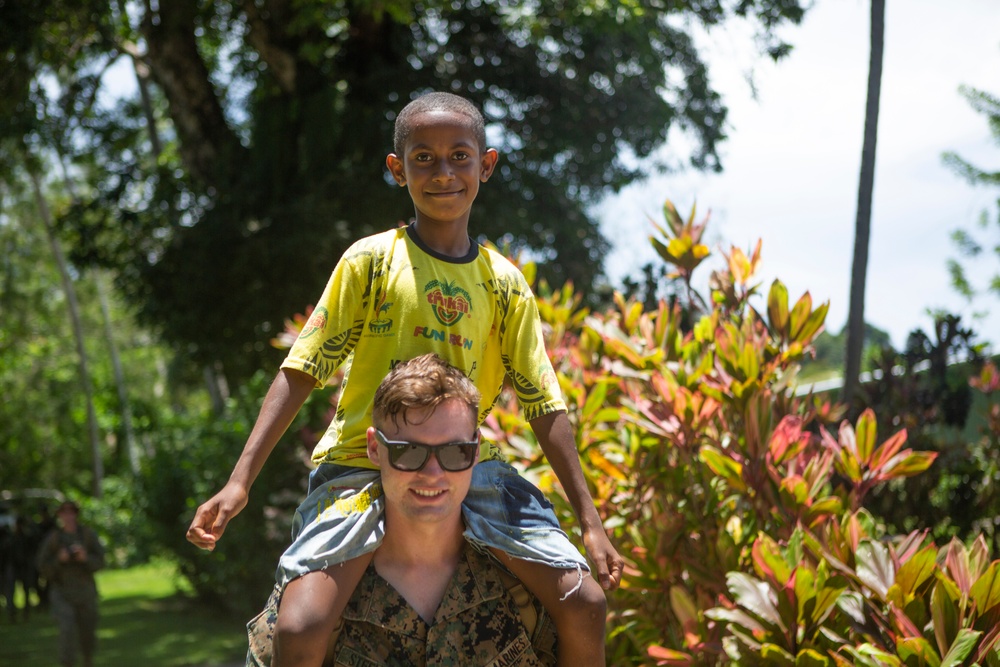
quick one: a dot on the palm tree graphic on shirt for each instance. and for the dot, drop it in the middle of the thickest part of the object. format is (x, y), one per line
(448, 301)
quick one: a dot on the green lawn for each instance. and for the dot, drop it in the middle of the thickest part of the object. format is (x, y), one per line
(147, 620)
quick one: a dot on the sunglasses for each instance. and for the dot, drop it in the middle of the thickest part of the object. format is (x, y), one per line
(413, 456)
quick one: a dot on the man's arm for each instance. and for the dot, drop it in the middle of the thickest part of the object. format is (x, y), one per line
(284, 399)
(555, 435)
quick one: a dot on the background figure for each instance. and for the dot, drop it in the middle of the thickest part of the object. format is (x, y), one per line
(68, 559)
(7, 571)
(44, 524)
(21, 551)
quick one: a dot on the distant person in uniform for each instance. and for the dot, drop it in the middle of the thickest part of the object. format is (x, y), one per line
(44, 524)
(21, 568)
(7, 571)
(428, 597)
(68, 559)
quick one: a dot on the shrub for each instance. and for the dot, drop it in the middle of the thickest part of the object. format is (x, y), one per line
(193, 460)
(728, 493)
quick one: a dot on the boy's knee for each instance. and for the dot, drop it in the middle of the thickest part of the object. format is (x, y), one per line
(588, 604)
(295, 622)
(304, 610)
(300, 637)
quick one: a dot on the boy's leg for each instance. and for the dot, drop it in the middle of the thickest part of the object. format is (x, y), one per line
(580, 616)
(311, 607)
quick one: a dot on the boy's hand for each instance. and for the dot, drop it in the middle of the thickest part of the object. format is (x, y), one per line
(607, 563)
(212, 517)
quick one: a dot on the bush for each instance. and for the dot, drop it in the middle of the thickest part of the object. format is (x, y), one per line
(738, 505)
(193, 461)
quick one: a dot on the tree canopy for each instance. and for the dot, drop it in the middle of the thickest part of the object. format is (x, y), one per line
(223, 190)
(982, 242)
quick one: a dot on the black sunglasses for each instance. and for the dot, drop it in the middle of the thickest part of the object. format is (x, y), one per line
(413, 456)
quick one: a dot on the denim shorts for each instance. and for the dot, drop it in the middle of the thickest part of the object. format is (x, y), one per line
(342, 518)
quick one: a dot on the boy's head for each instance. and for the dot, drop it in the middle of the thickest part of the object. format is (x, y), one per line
(416, 387)
(437, 102)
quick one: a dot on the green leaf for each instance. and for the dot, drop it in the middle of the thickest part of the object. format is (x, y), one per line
(800, 315)
(827, 597)
(812, 658)
(918, 569)
(917, 652)
(907, 464)
(865, 434)
(769, 562)
(755, 596)
(777, 308)
(944, 616)
(812, 324)
(773, 654)
(874, 567)
(986, 591)
(736, 617)
(867, 655)
(961, 648)
(682, 605)
(595, 399)
(723, 466)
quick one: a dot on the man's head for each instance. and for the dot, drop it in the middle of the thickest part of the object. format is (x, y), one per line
(424, 438)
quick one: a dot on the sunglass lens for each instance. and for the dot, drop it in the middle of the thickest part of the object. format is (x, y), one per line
(408, 457)
(456, 457)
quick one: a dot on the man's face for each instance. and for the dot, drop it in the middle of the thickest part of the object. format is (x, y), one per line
(430, 494)
(442, 166)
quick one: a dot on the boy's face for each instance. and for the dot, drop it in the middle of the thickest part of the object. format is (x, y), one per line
(442, 167)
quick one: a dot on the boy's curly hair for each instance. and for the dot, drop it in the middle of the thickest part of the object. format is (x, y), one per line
(437, 102)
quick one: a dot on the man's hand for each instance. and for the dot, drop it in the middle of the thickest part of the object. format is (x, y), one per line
(607, 563)
(212, 517)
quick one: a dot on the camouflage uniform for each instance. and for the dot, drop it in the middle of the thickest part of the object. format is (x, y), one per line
(73, 591)
(479, 623)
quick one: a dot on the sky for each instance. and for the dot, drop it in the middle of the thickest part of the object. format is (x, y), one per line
(791, 164)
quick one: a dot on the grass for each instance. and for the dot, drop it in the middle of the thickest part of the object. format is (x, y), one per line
(148, 619)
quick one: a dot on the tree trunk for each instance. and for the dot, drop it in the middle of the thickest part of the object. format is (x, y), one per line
(862, 232)
(74, 313)
(131, 447)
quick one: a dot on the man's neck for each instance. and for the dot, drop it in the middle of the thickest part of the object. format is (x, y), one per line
(419, 562)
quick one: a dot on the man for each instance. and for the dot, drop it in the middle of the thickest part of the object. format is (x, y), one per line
(68, 558)
(428, 597)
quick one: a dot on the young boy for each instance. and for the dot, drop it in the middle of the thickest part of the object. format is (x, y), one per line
(393, 296)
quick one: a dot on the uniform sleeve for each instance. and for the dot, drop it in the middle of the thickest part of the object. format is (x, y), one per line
(95, 551)
(336, 322)
(525, 358)
(47, 555)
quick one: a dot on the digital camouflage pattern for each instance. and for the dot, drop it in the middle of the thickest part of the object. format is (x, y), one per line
(479, 623)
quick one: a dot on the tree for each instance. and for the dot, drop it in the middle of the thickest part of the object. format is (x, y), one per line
(273, 117)
(862, 229)
(984, 240)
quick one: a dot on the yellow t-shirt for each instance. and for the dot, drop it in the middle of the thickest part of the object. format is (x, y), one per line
(391, 298)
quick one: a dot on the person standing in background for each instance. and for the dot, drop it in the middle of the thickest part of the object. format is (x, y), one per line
(68, 559)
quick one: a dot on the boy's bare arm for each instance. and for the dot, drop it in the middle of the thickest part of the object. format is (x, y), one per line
(284, 399)
(555, 435)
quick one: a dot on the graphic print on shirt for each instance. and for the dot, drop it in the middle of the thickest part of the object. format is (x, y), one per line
(316, 324)
(449, 302)
(339, 346)
(382, 324)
